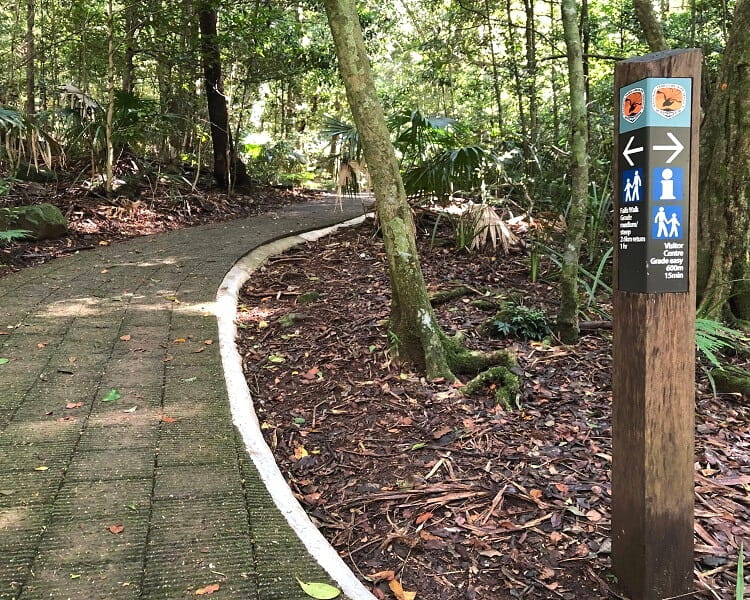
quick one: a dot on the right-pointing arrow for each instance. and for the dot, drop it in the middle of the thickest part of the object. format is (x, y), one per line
(677, 147)
(628, 150)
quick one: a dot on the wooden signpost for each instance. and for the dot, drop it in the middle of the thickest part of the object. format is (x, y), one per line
(653, 381)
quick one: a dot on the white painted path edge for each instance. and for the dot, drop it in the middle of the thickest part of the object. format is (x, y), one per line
(246, 421)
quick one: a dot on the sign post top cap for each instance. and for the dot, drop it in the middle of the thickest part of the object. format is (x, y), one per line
(656, 56)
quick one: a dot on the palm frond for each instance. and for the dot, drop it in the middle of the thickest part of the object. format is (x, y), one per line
(489, 227)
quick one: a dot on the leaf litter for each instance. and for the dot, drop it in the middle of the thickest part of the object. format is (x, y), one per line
(519, 502)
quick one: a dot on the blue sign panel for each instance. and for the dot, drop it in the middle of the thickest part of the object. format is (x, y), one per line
(656, 102)
(654, 177)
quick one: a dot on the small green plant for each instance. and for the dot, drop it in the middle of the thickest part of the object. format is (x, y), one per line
(519, 321)
(712, 338)
(739, 590)
(13, 235)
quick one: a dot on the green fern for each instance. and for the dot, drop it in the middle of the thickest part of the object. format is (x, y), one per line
(712, 337)
(12, 235)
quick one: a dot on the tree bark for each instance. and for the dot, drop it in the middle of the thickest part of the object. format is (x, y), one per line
(30, 58)
(415, 333)
(724, 209)
(228, 170)
(644, 12)
(567, 317)
(128, 70)
(110, 95)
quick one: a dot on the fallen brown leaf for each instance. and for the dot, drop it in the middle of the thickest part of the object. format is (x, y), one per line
(166, 419)
(209, 589)
(399, 591)
(382, 576)
(74, 404)
(423, 517)
(125, 338)
(116, 528)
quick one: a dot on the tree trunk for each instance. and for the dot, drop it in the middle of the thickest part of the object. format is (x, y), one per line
(531, 68)
(131, 18)
(644, 12)
(724, 209)
(110, 95)
(30, 58)
(567, 317)
(228, 170)
(415, 333)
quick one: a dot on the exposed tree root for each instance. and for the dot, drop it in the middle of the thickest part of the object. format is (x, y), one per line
(508, 385)
(451, 294)
(497, 367)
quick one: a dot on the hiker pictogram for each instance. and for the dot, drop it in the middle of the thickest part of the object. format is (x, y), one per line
(667, 222)
(633, 183)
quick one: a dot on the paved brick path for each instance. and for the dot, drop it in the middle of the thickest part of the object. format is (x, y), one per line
(163, 460)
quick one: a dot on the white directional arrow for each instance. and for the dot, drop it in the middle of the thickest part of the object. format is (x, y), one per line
(677, 147)
(628, 150)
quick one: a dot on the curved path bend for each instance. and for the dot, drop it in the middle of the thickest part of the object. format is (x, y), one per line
(149, 492)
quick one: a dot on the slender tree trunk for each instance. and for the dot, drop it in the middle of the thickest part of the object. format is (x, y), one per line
(531, 67)
(415, 333)
(495, 70)
(226, 173)
(30, 76)
(644, 11)
(30, 58)
(128, 70)
(514, 48)
(110, 94)
(724, 208)
(567, 317)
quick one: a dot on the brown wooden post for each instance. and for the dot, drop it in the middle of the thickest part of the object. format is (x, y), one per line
(657, 123)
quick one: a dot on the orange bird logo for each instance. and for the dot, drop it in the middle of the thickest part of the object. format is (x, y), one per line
(632, 105)
(668, 100)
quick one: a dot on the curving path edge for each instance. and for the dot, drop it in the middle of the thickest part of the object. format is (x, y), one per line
(246, 421)
(122, 476)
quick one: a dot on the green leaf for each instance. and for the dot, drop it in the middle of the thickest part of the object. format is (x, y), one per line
(418, 445)
(740, 589)
(111, 395)
(276, 358)
(300, 420)
(321, 591)
(4, 361)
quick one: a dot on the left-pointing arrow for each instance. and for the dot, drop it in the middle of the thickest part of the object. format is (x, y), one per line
(677, 147)
(628, 150)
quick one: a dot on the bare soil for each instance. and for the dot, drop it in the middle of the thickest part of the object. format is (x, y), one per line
(451, 496)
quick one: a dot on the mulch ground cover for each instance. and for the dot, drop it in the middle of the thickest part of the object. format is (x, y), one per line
(143, 208)
(422, 489)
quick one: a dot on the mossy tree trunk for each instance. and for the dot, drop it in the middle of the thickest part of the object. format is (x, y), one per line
(644, 12)
(724, 208)
(416, 335)
(567, 316)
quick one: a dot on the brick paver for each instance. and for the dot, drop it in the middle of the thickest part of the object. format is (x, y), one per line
(162, 460)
